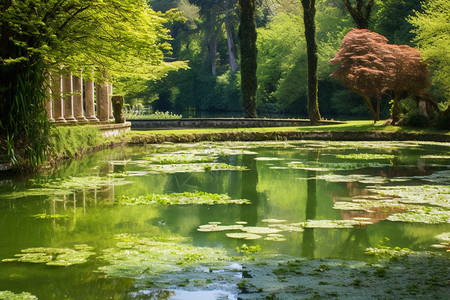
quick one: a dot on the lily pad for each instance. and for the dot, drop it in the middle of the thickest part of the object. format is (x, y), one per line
(273, 221)
(178, 158)
(275, 238)
(288, 227)
(260, 230)
(181, 199)
(8, 295)
(213, 228)
(365, 156)
(245, 236)
(427, 215)
(146, 257)
(445, 237)
(194, 167)
(54, 256)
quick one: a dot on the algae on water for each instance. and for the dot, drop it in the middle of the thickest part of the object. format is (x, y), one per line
(140, 257)
(54, 256)
(181, 199)
(8, 295)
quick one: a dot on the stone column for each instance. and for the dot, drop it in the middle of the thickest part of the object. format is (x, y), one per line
(101, 91)
(77, 82)
(89, 101)
(58, 109)
(110, 105)
(68, 97)
(48, 100)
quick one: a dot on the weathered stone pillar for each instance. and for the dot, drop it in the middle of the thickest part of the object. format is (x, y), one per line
(89, 101)
(77, 82)
(58, 109)
(48, 100)
(110, 106)
(68, 97)
(117, 102)
(101, 91)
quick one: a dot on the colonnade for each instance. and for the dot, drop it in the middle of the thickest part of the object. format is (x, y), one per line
(73, 99)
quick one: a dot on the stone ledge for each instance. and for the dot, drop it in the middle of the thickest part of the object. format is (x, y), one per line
(221, 123)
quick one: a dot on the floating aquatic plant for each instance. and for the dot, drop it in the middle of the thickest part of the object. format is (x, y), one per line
(194, 167)
(288, 227)
(8, 295)
(428, 215)
(260, 230)
(213, 228)
(438, 195)
(243, 235)
(353, 178)
(365, 156)
(332, 223)
(329, 166)
(248, 249)
(45, 216)
(139, 257)
(177, 158)
(181, 199)
(273, 221)
(81, 183)
(54, 256)
(275, 238)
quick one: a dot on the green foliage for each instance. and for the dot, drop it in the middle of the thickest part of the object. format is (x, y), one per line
(181, 199)
(391, 20)
(66, 141)
(123, 38)
(8, 295)
(62, 257)
(416, 120)
(157, 115)
(432, 29)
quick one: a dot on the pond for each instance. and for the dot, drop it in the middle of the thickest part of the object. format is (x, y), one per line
(154, 221)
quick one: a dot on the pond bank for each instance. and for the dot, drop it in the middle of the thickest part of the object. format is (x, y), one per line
(279, 135)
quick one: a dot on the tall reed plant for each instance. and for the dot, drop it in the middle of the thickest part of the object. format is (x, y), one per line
(24, 122)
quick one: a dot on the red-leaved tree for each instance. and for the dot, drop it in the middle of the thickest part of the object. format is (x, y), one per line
(369, 66)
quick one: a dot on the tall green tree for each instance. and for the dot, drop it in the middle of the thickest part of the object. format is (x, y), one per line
(309, 12)
(391, 20)
(432, 29)
(247, 36)
(123, 37)
(360, 10)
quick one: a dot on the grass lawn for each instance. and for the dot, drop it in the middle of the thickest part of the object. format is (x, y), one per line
(356, 126)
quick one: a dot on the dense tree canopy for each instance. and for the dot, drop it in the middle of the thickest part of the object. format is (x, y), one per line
(370, 66)
(432, 29)
(124, 38)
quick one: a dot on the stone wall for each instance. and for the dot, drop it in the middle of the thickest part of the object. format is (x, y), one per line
(221, 123)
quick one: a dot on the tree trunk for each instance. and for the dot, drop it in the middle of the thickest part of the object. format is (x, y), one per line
(360, 12)
(372, 109)
(378, 107)
(231, 47)
(247, 36)
(213, 53)
(309, 11)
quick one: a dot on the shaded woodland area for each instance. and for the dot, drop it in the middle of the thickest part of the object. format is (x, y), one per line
(209, 41)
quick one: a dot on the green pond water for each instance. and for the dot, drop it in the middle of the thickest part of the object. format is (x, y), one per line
(117, 222)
